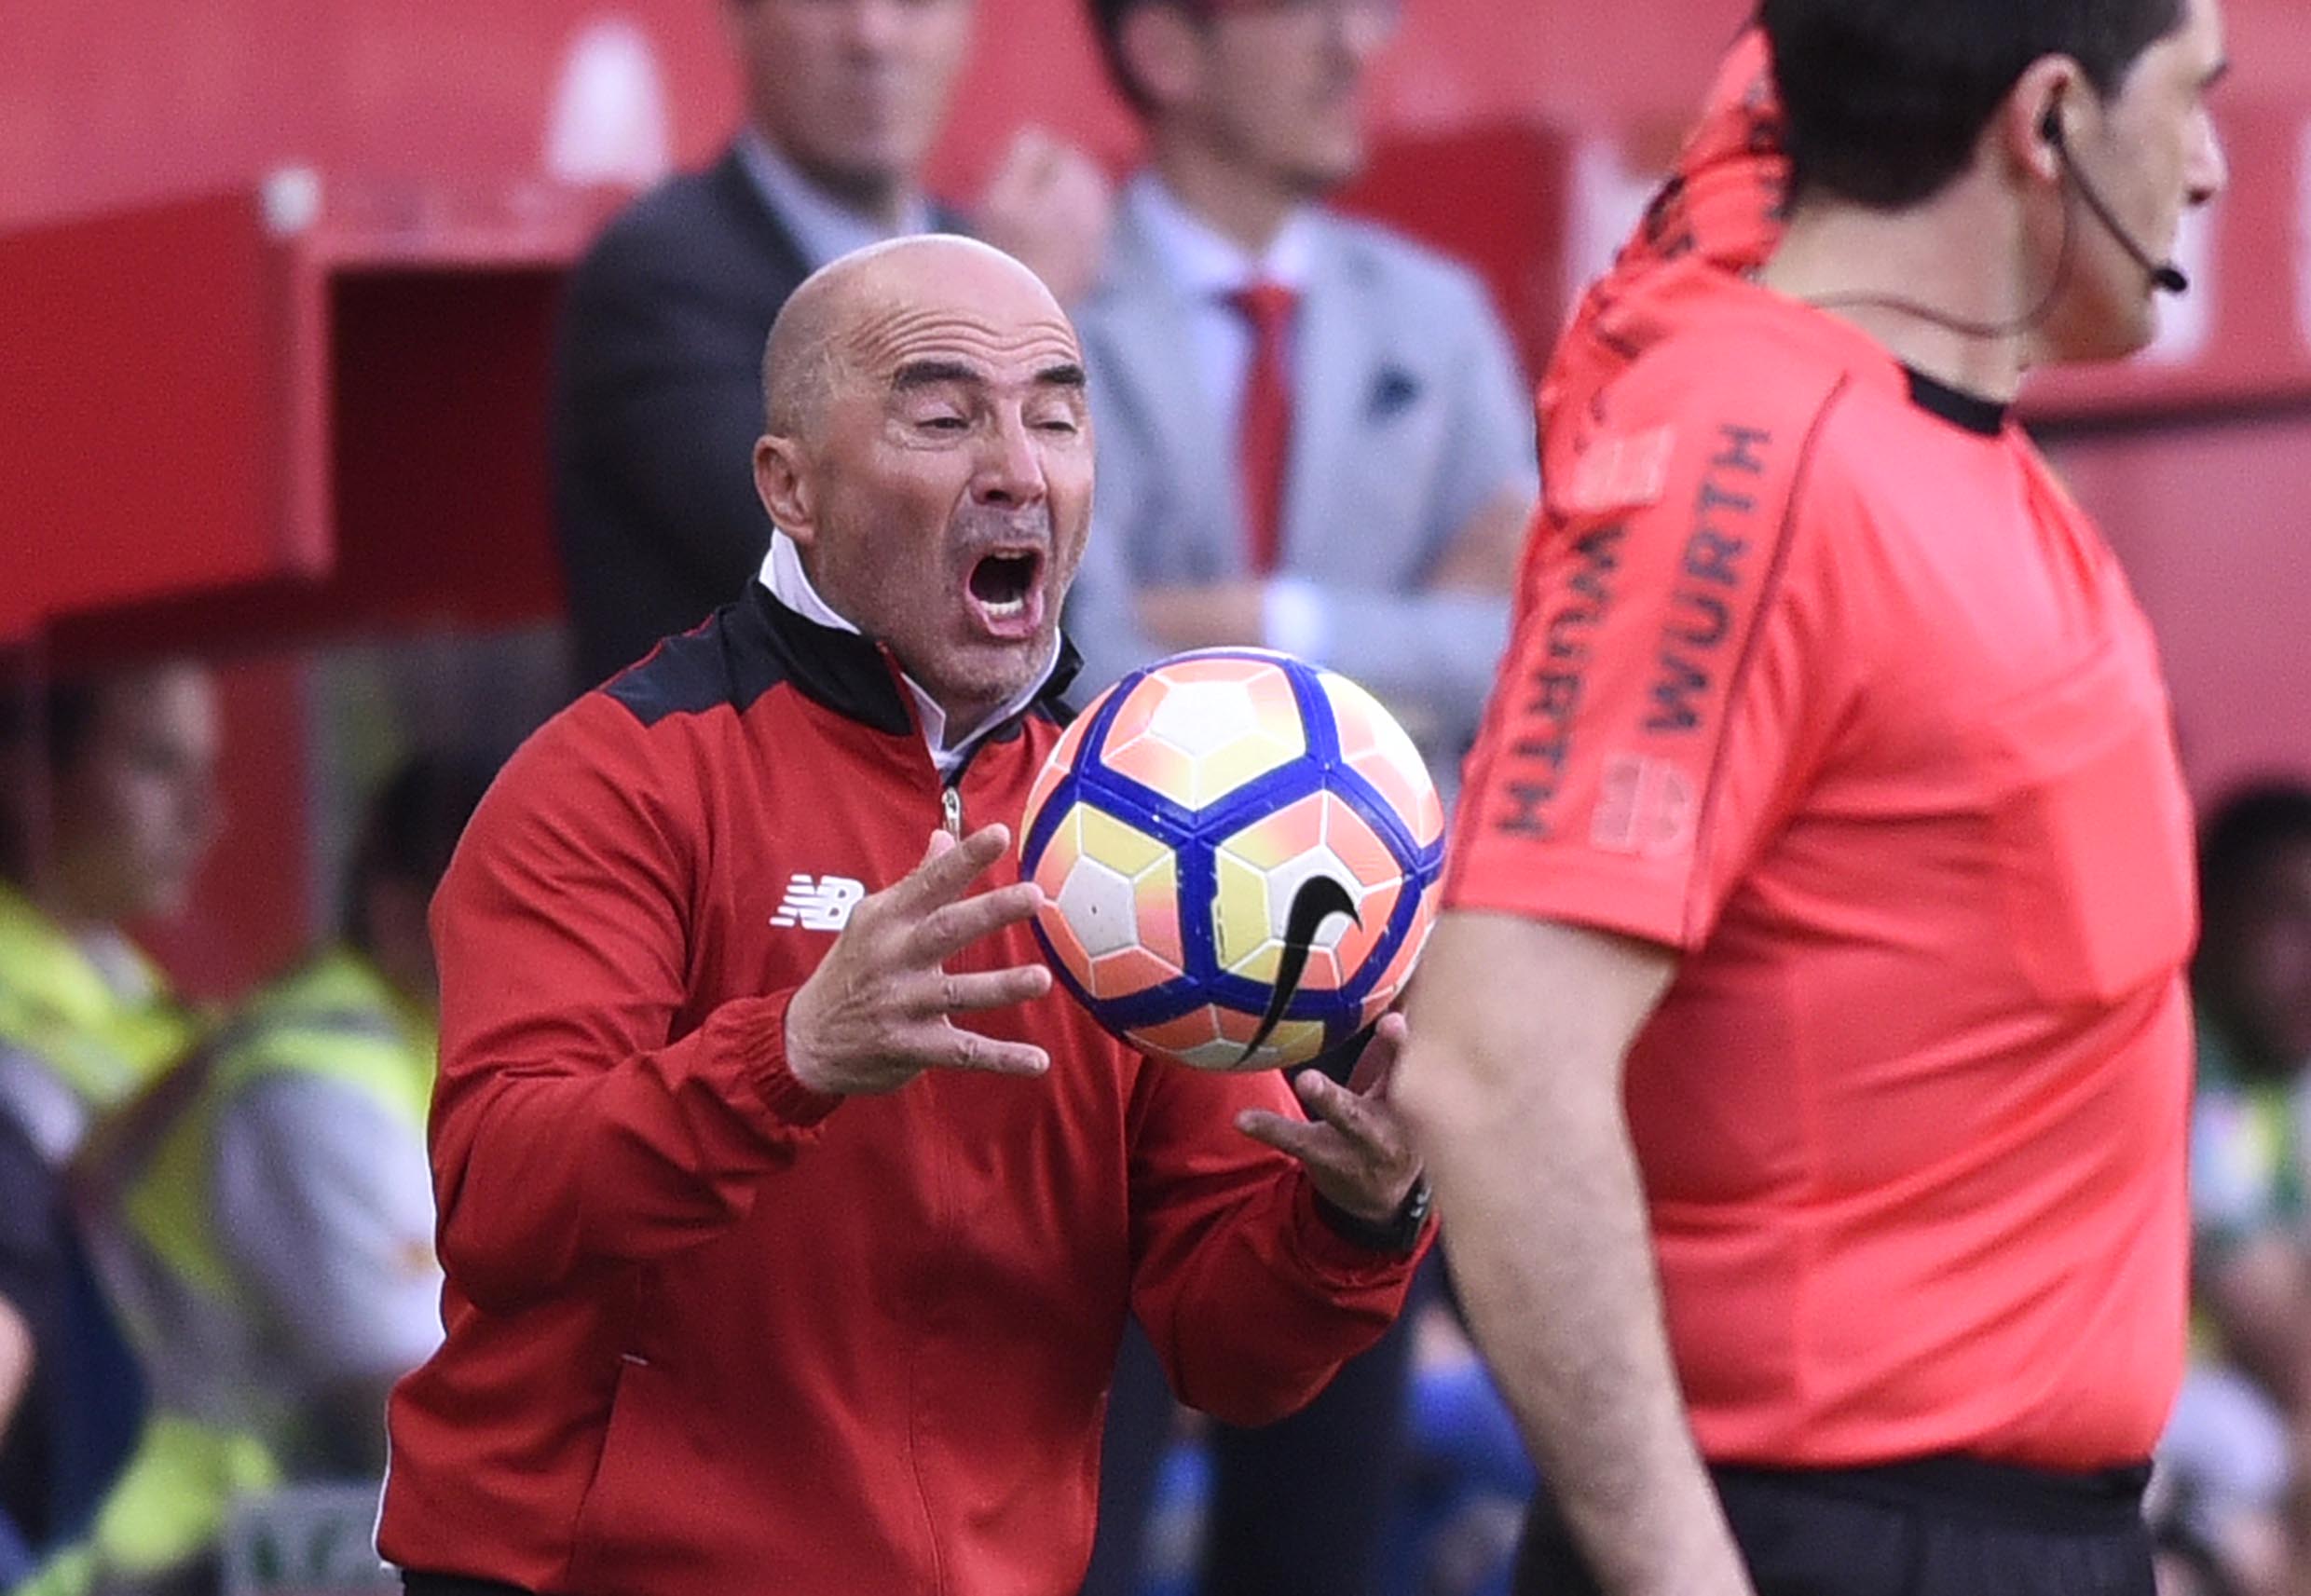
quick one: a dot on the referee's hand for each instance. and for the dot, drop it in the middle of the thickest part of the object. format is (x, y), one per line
(875, 1013)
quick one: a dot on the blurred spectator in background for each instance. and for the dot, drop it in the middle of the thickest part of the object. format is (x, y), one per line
(1312, 432)
(322, 1194)
(107, 807)
(2252, 981)
(279, 1196)
(658, 396)
(70, 1400)
(1312, 436)
(272, 1218)
(2228, 1448)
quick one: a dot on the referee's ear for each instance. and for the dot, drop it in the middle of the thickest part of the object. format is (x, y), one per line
(2034, 123)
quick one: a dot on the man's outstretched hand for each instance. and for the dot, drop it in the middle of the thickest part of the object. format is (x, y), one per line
(877, 1011)
(1357, 1149)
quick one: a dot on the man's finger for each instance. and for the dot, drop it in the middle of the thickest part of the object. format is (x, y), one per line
(1332, 1103)
(1376, 1066)
(941, 879)
(993, 988)
(953, 927)
(1308, 1143)
(969, 1050)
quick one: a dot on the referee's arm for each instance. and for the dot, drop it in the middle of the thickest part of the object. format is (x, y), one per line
(1520, 1030)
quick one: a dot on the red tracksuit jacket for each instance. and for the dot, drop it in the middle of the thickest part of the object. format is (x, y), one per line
(709, 1332)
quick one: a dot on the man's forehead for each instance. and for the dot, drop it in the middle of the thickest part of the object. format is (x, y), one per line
(897, 336)
(2202, 32)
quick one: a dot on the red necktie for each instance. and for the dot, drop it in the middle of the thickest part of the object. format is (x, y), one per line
(1265, 443)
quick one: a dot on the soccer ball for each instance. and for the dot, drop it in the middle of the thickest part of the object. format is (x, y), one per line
(1236, 850)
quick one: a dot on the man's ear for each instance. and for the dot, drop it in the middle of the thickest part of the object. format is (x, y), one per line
(784, 488)
(1161, 52)
(734, 19)
(2033, 126)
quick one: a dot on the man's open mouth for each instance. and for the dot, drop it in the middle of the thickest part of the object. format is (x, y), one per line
(1006, 588)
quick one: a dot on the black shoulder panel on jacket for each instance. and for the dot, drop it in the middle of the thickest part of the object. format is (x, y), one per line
(726, 661)
(746, 648)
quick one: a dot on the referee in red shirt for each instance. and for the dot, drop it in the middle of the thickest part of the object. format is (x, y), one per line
(1803, 1062)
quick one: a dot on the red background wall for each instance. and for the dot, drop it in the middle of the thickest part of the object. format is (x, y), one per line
(103, 101)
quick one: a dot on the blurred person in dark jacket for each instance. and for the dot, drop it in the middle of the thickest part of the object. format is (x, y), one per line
(657, 400)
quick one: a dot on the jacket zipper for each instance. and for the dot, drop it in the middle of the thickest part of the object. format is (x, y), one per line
(951, 789)
(951, 816)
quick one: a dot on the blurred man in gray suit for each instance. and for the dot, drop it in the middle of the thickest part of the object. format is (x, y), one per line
(1312, 431)
(1312, 436)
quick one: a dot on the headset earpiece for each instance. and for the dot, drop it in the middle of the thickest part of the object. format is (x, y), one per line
(2165, 276)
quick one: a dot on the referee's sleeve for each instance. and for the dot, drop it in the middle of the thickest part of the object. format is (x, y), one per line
(1673, 673)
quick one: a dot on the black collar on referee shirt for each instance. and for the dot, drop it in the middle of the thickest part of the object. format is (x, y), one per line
(1955, 406)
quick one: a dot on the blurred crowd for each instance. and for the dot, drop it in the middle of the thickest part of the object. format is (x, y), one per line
(215, 1226)
(2233, 1476)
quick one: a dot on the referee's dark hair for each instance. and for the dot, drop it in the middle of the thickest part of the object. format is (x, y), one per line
(1886, 98)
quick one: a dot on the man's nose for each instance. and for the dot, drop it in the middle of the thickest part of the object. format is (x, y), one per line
(2209, 172)
(874, 25)
(1010, 470)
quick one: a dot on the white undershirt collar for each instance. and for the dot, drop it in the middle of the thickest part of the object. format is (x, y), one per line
(790, 584)
(1205, 263)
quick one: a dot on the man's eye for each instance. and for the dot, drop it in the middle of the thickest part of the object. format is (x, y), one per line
(1060, 423)
(943, 423)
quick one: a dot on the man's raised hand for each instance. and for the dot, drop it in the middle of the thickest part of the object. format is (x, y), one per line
(876, 1012)
(1357, 1148)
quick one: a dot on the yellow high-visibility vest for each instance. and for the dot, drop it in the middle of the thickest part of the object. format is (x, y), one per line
(336, 1018)
(58, 1007)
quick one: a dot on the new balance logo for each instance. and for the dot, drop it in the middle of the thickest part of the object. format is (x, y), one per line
(819, 903)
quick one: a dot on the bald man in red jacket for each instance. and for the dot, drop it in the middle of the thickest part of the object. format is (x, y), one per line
(790, 1218)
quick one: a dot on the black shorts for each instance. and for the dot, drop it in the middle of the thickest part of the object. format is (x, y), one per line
(1935, 1527)
(416, 1584)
